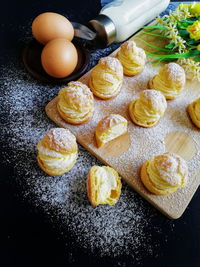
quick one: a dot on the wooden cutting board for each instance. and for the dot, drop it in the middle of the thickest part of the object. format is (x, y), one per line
(174, 133)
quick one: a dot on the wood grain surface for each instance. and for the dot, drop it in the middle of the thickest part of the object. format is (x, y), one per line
(174, 133)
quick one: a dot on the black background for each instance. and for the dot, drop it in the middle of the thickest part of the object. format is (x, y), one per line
(27, 238)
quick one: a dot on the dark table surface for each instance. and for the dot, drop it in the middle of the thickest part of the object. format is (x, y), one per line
(28, 237)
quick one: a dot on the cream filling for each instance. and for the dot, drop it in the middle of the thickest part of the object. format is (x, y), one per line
(105, 182)
(143, 114)
(72, 113)
(131, 64)
(106, 83)
(63, 162)
(168, 92)
(158, 180)
(113, 133)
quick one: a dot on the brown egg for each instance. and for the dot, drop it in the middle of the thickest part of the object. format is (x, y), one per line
(59, 58)
(48, 26)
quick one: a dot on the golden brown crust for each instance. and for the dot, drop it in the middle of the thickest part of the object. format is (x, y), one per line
(190, 110)
(92, 191)
(102, 96)
(170, 80)
(75, 121)
(130, 109)
(56, 140)
(147, 182)
(106, 124)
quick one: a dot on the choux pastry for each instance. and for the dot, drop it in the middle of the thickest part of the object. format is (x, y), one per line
(106, 78)
(57, 151)
(194, 112)
(109, 128)
(147, 110)
(103, 185)
(170, 80)
(75, 103)
(132, 58)
(164, 174)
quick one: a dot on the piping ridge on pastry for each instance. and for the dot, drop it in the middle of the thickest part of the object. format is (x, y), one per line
(170, 80)
(147, 110)
(109, 128)
(75, 103)
(132, 58)
(164, 174)
(103, 185)
(106, 78)
(194, 112)
(57, 151)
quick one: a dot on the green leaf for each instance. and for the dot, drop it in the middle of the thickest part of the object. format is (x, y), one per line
(156, 47)
(184, 33)
(196, 59)
(154, 34)
(154, 27)
(193, 41)
(170, 46)
(176, 55)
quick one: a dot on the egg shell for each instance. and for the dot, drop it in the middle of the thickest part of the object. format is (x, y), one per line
(48, 26)
(59, 58)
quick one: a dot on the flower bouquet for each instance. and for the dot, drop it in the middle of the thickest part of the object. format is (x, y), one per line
(181, 28)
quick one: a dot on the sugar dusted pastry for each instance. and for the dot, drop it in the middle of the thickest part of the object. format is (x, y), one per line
(170, 80)
(132, 58)
(106, 78)
(75, 103)
(57, 151)
(164, 174)
(194, 112)
(103, 185)
(147, 110)
(109, 128)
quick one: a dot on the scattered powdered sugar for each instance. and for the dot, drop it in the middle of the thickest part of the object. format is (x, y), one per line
(128, 228)
(62, 138)
(176, 72)
(156, 98)
(113, 64)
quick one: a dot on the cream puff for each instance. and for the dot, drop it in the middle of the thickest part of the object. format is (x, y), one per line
(106, 78)
(109, 128)
(132, 58)
(57, 151)
(103, 185)
(147, 110)
(170, 80)
(194, 112)
(75, 103)
(164, 174)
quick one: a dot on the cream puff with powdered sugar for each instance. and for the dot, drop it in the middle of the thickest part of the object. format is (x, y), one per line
(170, 80)
(57, 151)
(147, 110)
(164, 174)
(75, 103)
(106, 78)
(132, 58)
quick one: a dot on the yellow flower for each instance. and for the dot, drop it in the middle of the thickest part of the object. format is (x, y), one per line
(194, 30)
(195, 9)
(198, 47)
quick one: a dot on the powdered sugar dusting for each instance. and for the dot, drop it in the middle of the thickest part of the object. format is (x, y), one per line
(62, 138)
(176, 72)
(172, 168)
(156, 98)
(110, 121)
(113, 64)
(125, 229)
